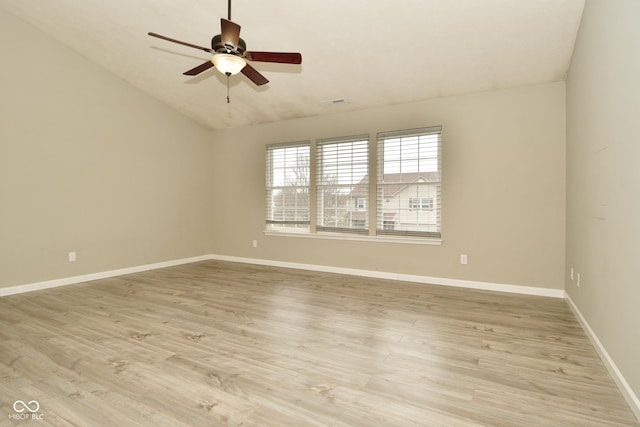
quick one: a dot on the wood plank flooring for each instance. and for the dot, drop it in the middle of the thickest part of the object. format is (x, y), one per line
(225, 344)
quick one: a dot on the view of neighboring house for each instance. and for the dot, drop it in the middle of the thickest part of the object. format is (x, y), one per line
(408, 203)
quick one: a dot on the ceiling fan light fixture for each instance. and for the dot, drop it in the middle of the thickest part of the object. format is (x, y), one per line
(228, 64)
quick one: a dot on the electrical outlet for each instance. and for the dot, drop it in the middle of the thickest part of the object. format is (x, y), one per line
(72, 257)
(463, 259)
(255, 243)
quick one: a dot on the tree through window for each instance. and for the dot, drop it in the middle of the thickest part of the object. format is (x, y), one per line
(288, 187)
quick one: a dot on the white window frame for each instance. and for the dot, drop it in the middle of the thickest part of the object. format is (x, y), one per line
(342, 169)
(413, 159)
(379, 228)
(279, 179)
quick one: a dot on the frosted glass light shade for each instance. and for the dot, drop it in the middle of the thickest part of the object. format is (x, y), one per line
(228, 64)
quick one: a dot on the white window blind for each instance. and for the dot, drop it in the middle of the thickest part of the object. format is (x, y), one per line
(287, 207)
(409, 182)
(342, 188)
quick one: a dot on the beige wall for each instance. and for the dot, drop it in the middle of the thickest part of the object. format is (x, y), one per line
(503, 189)
(603, 178)
(89, 164)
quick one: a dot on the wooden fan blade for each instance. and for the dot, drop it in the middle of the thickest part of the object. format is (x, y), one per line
(206, 49)
(254, 75)
(230, 35)
(199, 69)
(280, 57)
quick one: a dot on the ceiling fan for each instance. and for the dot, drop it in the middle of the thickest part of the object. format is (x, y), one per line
(230, 55)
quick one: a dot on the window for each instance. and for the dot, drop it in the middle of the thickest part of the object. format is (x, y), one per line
(288, 187)
(421, 203)
(409, 182)
(342, 188)
(324, 188)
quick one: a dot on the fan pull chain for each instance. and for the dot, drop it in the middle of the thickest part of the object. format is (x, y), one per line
(228, 101)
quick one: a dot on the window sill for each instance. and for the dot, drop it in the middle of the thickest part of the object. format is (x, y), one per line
(358, 237)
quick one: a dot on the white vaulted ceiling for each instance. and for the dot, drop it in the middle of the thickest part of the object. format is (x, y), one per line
(369, 52)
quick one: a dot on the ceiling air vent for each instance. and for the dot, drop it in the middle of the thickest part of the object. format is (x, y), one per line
(333, 102)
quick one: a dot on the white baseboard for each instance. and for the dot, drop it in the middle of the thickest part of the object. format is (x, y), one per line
(623, 385)
(11, 290)
(496, 287)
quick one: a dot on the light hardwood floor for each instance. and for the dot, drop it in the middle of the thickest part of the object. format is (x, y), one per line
(217, 343)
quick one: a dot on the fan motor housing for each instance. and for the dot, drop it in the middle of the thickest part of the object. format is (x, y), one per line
(219, 47)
